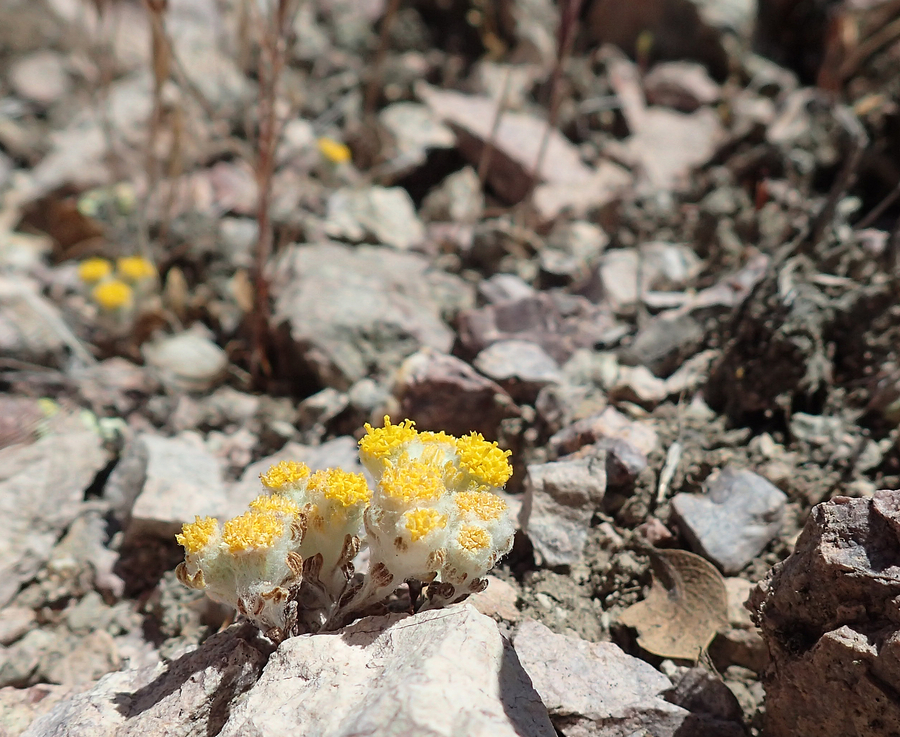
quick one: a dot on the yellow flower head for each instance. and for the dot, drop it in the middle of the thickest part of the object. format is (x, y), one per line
(381, 442)
(473, 538)
(413, 482)
(345, 488)
(335, 151)
(284, 474)
(422, 521)
(482, 504)
(113, 295)
(135, 268)
(485, 461)
(252, 531)
(196, 535)
(92, 270)
(275, 503)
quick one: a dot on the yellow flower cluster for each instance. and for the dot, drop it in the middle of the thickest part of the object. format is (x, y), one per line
(114, 290)
(432, 516)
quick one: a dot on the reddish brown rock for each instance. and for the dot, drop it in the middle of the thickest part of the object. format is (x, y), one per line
(830, 618)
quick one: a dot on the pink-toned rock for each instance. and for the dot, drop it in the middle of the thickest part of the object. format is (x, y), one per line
(564, 179)
(828, 614)
(441, 392)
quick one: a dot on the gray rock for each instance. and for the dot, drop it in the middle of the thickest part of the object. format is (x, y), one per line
(516, 143)
(19, 707)
(386, 214)
(504, 288)
(161, 483)
(441, 392)
(682, 85)
(608, 424)
(559, 323)
(594, 688)
(190, 698)
(415, 130)
(80, 659)
(560, 499)
(27, 323)
(828, 614)
(15, 621)
(625, 275)
(736, 518)
(19, 662)
(521, 367)
(40, 77)
(458, 199)
(189, 361)
(42, 489)
(440, 672)
(352, 311)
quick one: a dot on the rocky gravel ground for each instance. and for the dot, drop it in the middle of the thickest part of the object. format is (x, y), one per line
(650, 248)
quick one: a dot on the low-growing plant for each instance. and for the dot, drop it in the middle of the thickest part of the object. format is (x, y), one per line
(433, 519)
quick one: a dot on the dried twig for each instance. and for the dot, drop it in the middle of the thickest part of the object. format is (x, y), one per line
(273, 31)
(372, 88)
(565, 39)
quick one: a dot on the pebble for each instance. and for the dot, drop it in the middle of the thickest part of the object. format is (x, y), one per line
(736, 518)
(560, 499)
(521, 367)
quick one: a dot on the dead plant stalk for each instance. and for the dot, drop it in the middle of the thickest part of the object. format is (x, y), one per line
(273, 33)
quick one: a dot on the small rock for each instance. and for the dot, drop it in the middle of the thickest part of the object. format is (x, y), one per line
(504, 288)
(20, 661)
(516, 143)
(560, 405)
(607, 424)
(28, 324)
(315, 412)
(664, 343)
(682, 85)
(439, 672)
(189, 361)
(579, 242)
(638, 385)
(91, 613)
(386, 214)
(702, 692)
(161, 483)
(738, 516)
(15, 621)
(594, 688)
(352, 311)
(560, 499)
(558, 323)
(522, 368)
(19, 707)
(42, 489)
(458, 199)
(497, 600)
(415, 131)
(625, 274)
(81, 659)
(441, 392)
(197, 689)
(40, 77)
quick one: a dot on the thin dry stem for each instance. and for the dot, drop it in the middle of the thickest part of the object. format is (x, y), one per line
(565, 40)
(273, 35)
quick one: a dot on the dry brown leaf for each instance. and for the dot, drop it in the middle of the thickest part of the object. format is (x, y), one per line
(686, 606)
